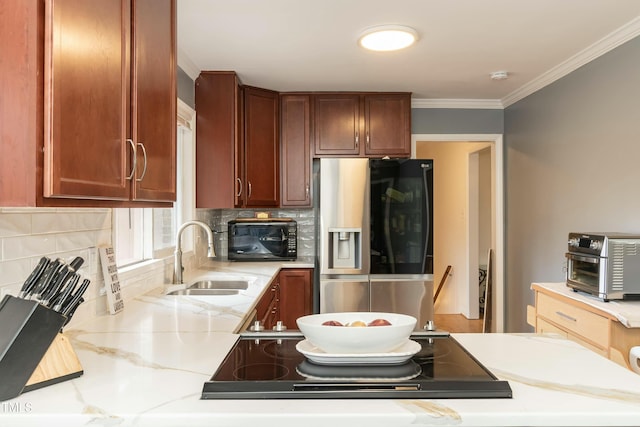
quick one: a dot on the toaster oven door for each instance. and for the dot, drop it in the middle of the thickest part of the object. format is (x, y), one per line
(586, 272)
(258, 242)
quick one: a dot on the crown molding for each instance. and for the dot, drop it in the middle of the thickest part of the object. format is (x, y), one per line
(187, 65)
(599, 48)
(485, 104)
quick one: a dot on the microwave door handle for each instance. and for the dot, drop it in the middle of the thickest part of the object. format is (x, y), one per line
(590, 260)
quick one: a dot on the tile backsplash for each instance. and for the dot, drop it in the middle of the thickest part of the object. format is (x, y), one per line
(217, 219)
(27, 234)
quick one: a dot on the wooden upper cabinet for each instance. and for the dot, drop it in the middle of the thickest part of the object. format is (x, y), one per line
(237, 149)
(261, 148)
(154, 99)
(218, 136)
(387, 120)
(88, 80)
(86, 99)
(295, 154)
(371, 125)
(336, 122)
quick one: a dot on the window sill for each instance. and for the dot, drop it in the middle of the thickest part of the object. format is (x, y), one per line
(134, 270)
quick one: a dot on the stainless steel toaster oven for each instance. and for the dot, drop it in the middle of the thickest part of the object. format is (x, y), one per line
(606, 265)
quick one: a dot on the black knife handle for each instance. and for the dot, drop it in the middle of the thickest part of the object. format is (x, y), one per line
(46, 277)
(34, 276)
(76, 263)
(59, 300)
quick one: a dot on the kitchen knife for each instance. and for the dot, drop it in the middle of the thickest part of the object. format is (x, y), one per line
(33, 277)
(54, 285)
(62, 277)
(72, 310)
(69, 307)
(59, 300)
(45, 279)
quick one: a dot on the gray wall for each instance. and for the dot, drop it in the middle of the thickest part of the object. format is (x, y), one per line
(449, 120)
(186, 89)
(572, 159)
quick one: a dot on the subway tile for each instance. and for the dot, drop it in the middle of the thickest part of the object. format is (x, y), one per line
(28, 246)
(15, 224)
(68, 242)
(15, 272)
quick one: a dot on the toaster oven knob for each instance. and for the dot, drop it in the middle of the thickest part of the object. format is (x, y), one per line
(596, 245)
(574, 241)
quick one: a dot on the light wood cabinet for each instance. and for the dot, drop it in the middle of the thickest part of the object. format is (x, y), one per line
(88, 86)
(598, 330)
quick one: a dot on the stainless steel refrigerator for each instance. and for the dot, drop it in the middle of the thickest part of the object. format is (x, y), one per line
(376, 236)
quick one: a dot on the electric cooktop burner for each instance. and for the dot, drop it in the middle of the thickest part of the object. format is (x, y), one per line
(268, 366)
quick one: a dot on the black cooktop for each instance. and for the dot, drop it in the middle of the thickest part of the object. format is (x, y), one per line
(268, 366)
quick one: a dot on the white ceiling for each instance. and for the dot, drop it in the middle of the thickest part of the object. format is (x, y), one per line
(304, 45)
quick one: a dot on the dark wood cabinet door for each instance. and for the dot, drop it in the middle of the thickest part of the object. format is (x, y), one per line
(217, 134)
(261, 147)
(295, 155)
(86, 99)
(296, 295)
(336, 124)
(268, 308)
(387, 125)
(154, 99)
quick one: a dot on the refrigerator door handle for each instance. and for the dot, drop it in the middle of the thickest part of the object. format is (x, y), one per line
(427, 216)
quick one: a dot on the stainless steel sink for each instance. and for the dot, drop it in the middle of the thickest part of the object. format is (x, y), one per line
(213, 287)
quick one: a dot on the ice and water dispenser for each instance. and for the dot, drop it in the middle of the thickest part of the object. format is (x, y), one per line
(345, 248)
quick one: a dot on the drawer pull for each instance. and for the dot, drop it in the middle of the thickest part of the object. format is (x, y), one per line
(566, 316)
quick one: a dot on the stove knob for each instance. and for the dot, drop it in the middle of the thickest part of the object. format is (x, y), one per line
(257, 326)
(596, 245)
(279, 326)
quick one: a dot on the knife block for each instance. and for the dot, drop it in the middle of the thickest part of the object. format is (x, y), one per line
(33, 352)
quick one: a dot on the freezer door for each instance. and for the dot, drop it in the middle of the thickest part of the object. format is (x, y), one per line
(412, 296)
(341, 295)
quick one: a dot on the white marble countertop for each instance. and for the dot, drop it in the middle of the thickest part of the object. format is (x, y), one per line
(146, 367)
(627, 312)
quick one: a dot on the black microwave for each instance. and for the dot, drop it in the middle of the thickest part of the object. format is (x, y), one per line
(272, 239)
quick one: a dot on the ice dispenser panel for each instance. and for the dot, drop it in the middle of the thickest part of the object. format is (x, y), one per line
(344, 248)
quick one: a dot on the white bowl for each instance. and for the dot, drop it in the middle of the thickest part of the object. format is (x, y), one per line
(353, 339)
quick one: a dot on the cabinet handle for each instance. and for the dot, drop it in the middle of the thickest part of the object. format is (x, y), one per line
(239, 181)
(367, 138)
(566, 316)
(249, 193)
(134, 163)
(357, 138)
(144, 154)
(306, 190)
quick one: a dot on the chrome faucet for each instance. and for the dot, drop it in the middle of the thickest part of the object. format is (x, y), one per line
(211, 253)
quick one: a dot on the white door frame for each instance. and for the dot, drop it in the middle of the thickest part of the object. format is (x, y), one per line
(498, 191)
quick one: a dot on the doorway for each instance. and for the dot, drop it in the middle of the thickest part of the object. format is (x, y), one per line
(463, 237)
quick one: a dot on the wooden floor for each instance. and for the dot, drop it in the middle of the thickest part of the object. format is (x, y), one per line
(457, 323)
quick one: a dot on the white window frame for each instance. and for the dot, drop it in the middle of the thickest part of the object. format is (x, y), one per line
(136, 244)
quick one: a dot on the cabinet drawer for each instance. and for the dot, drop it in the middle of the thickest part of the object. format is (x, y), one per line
(544, 327)
(574, 320)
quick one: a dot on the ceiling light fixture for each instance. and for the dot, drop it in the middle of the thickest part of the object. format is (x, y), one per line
(387, 37)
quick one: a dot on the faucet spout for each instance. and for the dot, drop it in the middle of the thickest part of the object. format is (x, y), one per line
(211, 253)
